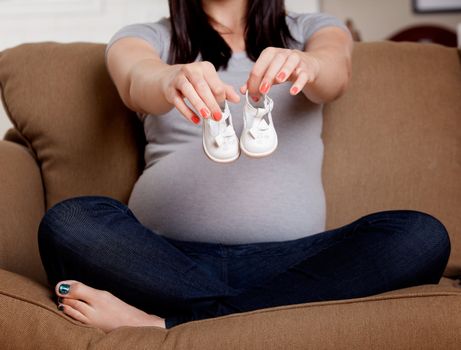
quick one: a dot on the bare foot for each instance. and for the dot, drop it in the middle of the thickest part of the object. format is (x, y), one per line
(100, 308)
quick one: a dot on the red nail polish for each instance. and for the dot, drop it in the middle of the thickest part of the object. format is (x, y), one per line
(217, 116)
(294, 90)
(255, 98)
(281, 76)
(195, 119)
(264, 88)
(203, 112)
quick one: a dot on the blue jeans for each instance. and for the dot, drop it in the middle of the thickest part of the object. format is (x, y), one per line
(97, 240)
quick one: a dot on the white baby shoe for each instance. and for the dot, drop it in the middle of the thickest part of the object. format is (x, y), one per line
(220, 142)
(258, 138)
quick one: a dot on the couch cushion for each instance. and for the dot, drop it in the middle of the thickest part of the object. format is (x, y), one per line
(62, 101)
(393, 141)
(21, 208)
(423, 317)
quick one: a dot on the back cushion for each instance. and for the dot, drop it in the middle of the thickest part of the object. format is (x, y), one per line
(63, 102)
(393, 141)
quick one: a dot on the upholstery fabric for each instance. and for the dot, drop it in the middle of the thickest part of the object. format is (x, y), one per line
(392, 141)
(21, 208)
(400, 319)
(393, 135)
(63, 102)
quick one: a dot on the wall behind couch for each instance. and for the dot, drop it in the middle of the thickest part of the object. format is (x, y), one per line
(82, 20)
(378, 19)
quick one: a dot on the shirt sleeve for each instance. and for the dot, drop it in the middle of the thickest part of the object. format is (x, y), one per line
(153, 33)
(306, 24)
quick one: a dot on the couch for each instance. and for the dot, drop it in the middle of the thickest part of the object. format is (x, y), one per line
(392, 141)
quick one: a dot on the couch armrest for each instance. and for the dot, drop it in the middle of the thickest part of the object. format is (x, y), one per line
(22, 206)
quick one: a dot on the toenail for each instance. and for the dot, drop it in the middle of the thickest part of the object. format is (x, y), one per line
(61, 307)
(64, 288)
(60, 300)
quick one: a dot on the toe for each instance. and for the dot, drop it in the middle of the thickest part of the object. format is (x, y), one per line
(78, 305)
(75, 290)
(75, 314)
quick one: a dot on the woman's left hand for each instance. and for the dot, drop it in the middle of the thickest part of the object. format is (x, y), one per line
(276, 66)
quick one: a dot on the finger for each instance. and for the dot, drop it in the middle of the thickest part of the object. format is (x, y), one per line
(288, 68)
(312, 67)
(259, 70)
(218, 90)
(300, 82)
(183, 108)
(187, 90)
(274, 67)
(243, 89)
(231, 94)
(203, 88)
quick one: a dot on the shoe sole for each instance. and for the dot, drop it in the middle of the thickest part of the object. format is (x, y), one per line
(258, 155)
(230, 160)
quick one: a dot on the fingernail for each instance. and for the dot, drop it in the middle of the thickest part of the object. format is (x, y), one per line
(195, 119)
(204, 112)
(264, 88)
(294, 90)
(281, 76)
(217, 116)
(61, 307)
(60, 300)
(64, 288)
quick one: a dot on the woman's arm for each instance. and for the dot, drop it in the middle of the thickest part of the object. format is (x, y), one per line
(332, 49)
(148, 85)
(134, 67)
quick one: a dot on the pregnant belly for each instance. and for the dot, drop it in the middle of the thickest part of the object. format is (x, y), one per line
(190, 198)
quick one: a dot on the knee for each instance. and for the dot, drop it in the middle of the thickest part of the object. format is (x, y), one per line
(63, 219)
(414, 229)
(429, 232)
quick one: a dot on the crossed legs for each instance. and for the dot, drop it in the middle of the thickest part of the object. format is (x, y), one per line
(116, 272)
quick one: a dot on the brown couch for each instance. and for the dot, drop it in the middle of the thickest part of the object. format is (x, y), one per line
(393, 141)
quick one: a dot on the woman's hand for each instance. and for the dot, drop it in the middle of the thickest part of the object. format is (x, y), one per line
(199, 83)
(322, 71)
(276, 66)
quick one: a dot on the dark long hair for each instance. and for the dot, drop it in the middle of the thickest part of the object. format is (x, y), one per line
(192, 33)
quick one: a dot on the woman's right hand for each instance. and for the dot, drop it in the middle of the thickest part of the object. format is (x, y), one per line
(199, 83)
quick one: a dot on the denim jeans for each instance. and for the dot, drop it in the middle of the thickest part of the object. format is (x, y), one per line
(97, 240)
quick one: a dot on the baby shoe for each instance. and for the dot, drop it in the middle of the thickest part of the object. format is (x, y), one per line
(220, 141)
(258, 138)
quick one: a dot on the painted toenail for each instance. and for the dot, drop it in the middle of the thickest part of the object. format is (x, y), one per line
(64, 288)
(61, 307)
(60, 300)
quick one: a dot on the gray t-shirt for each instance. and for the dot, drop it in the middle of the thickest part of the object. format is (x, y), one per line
(185, 196)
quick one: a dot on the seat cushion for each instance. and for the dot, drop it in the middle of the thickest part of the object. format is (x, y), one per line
(422, 317)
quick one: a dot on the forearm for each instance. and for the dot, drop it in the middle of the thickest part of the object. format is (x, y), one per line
(332, 49)
(147, 85)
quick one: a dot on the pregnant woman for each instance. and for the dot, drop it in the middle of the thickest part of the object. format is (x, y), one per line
(203, 237)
